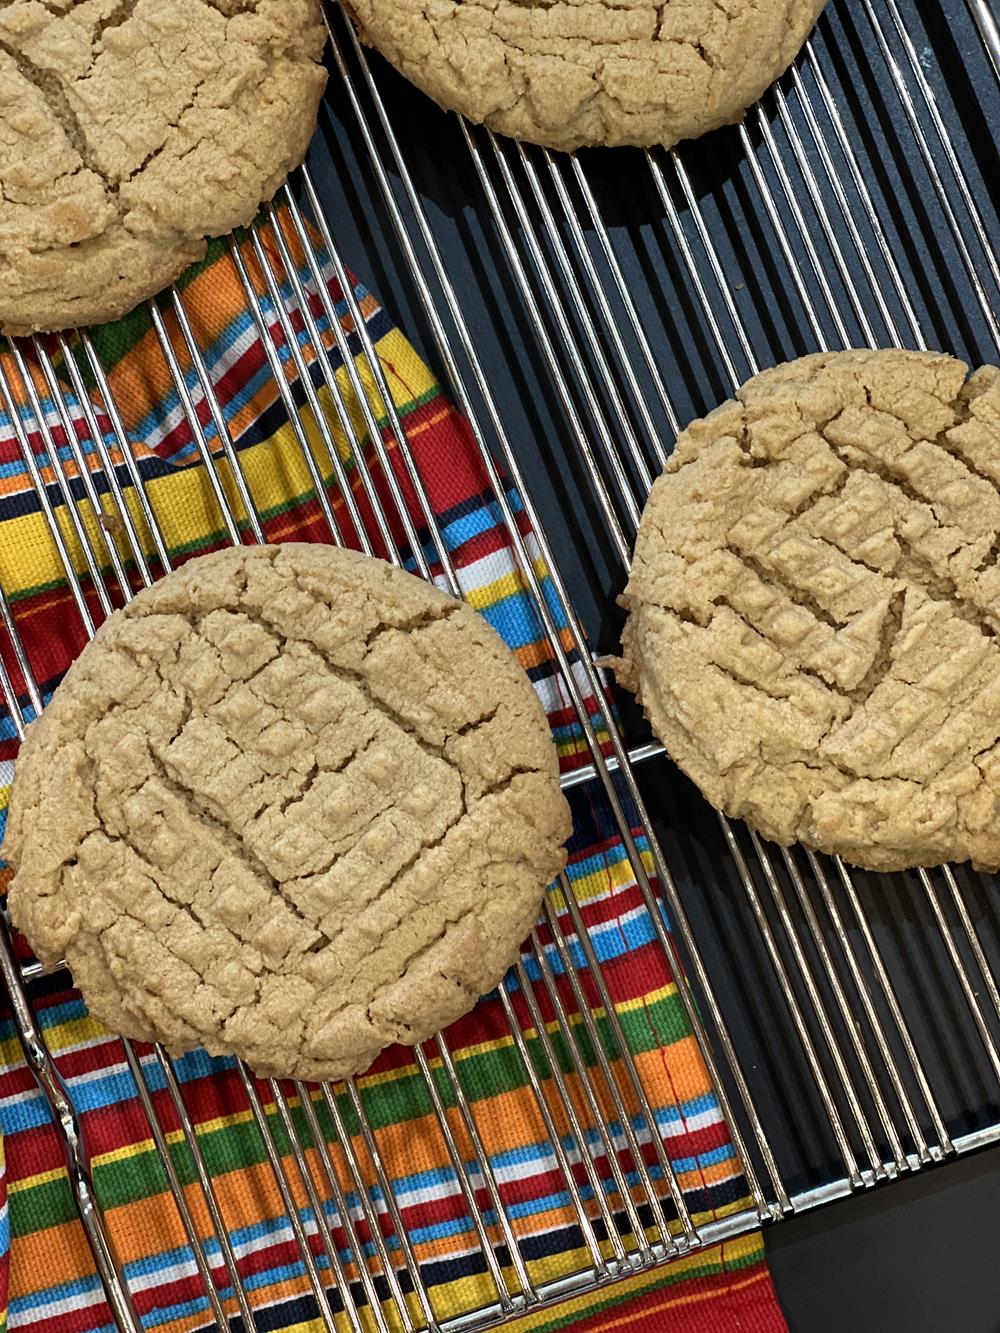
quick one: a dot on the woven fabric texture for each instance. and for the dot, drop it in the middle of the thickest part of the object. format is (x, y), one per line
(53, 1285)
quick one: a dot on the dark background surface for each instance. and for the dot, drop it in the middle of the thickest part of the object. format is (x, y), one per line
(919, 1255)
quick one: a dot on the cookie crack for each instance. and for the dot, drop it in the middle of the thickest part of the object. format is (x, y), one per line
(882, 662)
(974, 473)
(424, 949)
(182, 908)
(316, 771)
(775, 581)
(155, 873)
(968, 611)
(229, 837)
(812, 501)
(963, 411)
(61, 110)
(380, 898)
(961, 408)
(991, 557)
(300, 794)
(420, 620)
(133, 999)
(903, 547)
(742, 679)
(120, 15)
(955, 753)
(169, 128)
(503, 784)
(467, 728)
(358, 679)
(233, 839)
(962, 607)
(208, 815)
(799, 666)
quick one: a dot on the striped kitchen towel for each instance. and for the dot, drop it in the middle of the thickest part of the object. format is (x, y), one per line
(53, 1284)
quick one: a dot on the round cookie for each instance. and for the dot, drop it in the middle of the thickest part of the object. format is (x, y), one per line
(290, 804)
(815, 602)
(130, 130)
(571, 73)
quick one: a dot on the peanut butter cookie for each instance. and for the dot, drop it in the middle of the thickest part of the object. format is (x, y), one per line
(290, 804)
(132, 129)
(568, 73)
(815, 602)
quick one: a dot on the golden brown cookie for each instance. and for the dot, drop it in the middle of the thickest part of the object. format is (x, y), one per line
(132, 129)
(568, 73)
(291, 804)
(814, 607)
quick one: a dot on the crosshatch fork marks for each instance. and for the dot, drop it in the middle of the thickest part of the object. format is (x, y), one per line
(844, 509)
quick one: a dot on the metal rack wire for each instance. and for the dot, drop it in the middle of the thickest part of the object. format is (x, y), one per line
(867, 1084)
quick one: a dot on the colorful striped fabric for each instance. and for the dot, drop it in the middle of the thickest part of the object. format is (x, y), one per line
(53, 1284)
(4, 1239)
(723, 1289)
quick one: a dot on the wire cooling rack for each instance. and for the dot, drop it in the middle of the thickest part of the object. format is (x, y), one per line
(582, 309)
